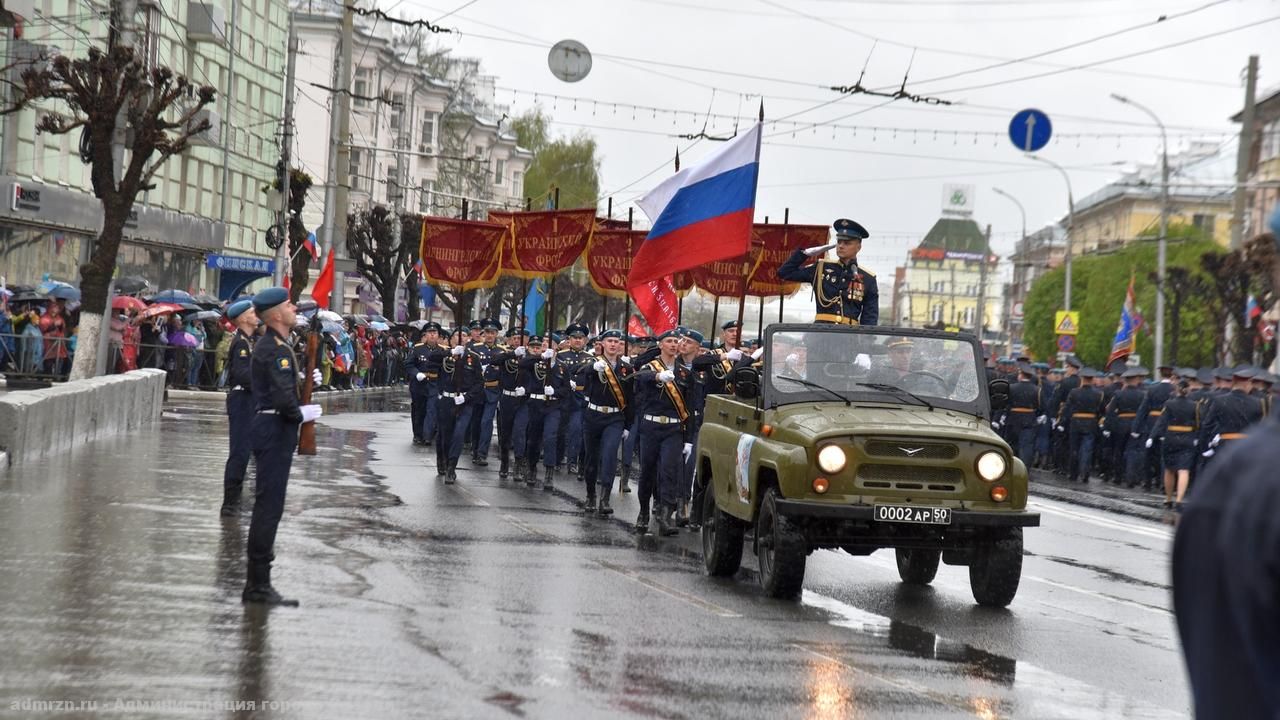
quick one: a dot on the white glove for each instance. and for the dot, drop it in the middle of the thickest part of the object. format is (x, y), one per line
(458, 400)
(625, 433)
(1060, 428)
(792, 359)
(666, 376)
(1208, 453)
(1149, 441)
(1106, 433)
(457, 350)
(421, 377)
(688, 450)
(599, 365)
(1134, 435)
(734, 355)
(818, 249)
(756, 355)
(310, 412)
(626, 358)
(520, 392)
(995, 425)
(863, 361)
(521, 351)
(548, 354)
(548, 390)
(1041, 420)
(1216, 439)
(592, 352)
(316, 377)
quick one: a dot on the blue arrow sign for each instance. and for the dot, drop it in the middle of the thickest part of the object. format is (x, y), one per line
(1030, 130)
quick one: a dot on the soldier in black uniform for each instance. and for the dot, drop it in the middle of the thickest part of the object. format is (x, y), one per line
(512, 415)
(488, 351)
(1024, 415)
(1178, 432)
(546, 386)
(461, 394)
(1150, 411)
(845, 293)
(275, 376)
(1119, 427)
(1231, 414)
(571, 410)
(1044, 431)
(1061, 459)
(1080, 414)
(661, 389)
(423, 373)
(239, 404)
(609, 413)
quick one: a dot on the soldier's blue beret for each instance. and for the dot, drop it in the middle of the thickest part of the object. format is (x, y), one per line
(576, 329)
(611, 334)
(237, 308)
(706, 344)
(693, 335)
(1002, 360)
(269, 298)
(847, 229)
(1040, 366)
(491, 324)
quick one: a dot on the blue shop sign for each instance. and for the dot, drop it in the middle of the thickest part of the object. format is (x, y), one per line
(261, 266)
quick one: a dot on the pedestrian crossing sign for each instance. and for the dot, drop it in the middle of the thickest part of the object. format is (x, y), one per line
(1066, 322)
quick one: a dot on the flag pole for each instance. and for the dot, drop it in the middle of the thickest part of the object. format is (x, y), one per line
(786, 220)
(746, 272)
(551, 288)
(626, 313)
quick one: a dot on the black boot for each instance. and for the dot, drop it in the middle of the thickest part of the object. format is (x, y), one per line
(505, 468)
(531, 474)
(573, 469)
(590, 503)
(230, 502)
(548, 479)
(625, 479)
(479, 461)
(682, 515)
(642, 522)
(257, 588)
(605, 510)
(452, 476)
(664, 514)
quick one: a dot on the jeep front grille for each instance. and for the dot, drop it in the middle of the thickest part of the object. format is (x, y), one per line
(898, 477)
(908, 449)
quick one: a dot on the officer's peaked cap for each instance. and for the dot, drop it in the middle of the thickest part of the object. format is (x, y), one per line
(490, 324)
(730, 325)
(847, 229)
(576, 329)
(1074, 362)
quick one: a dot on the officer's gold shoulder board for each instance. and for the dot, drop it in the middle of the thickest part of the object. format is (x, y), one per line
(866, 272)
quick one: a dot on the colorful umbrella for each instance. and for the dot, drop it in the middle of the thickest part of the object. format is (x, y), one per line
(65, 292)
(157, 310)
(172, 296)
(329, 316)
(127, 302)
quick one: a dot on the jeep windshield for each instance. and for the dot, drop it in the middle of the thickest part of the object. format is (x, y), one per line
(807, 363)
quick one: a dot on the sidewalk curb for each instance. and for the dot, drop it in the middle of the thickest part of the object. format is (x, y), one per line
(219, 396)
(1052, 490)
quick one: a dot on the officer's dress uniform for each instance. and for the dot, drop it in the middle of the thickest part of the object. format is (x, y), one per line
(664, 429)
(1179, 432)
(1230, 416)
(1080, 416)
(1121, 421)
(610, 410)
(423, 393)
(274, 373)
(513, 416)
(1044, 432)
(1023, 418)
(489, 355)
(571, 415)
(460, 377)
(544, 415)
(845, 294)
(1061, 444)
(1148, 414)
(240, 411)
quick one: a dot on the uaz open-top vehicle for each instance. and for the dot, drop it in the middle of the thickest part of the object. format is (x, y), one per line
(863, 438)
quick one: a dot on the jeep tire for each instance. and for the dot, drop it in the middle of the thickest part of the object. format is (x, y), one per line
(918, 567)
(996, 568)
(781, 549)
(721, 538)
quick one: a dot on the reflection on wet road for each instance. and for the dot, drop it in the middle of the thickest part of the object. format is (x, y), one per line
(484, 600)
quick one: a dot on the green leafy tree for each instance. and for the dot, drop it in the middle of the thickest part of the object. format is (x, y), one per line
(567, 163)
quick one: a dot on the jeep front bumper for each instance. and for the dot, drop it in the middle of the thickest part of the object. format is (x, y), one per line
(799, 509)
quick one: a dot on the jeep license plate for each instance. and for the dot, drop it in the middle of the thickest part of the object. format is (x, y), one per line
(912, 514)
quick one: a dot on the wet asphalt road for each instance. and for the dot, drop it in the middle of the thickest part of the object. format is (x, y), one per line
(482, 600)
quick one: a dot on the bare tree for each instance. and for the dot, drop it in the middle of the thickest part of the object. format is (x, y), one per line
(159, 112)
(376, 241)
(300, 183)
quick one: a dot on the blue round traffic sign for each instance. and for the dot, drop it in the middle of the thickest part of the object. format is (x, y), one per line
(1066, 343)
(1030, 130)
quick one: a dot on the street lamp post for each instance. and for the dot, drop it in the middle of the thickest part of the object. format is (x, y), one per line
(1071, 222)
(1162, 243)
(1008, 319)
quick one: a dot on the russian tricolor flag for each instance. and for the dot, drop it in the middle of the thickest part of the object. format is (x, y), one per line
(312, 246)
(701, 214)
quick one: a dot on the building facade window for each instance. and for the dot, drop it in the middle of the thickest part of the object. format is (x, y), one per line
(355, 169)
(428, 139)
(517, 182)
(360, 88)
(936, 314)
(397, 111)
(499, 170)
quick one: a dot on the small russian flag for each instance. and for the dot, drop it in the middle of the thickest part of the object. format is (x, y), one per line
(312, 246)
(417, 267)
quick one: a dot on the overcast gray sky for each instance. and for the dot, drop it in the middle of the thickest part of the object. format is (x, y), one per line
(881, 163)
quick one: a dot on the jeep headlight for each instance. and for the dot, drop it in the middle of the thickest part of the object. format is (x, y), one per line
(832, 459)
(991, 466)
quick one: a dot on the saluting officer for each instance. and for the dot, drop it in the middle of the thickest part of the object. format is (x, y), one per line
(512, 416)
(845, 293)
(1024, 415)
(608, 415)
(1119, 426)
(239, 404)
(571, 417)
(1080, 416)
(461, 393)
(662, 384)
(487, 351)
(423, 370)
(274, 381)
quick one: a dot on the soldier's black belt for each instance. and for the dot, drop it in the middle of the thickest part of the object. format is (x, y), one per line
(604, 409)
(661, 419)
(837, 319)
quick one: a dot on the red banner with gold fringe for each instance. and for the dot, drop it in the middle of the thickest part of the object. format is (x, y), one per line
(542, 243)
(460, 254)
(608, 260)
(777, 242)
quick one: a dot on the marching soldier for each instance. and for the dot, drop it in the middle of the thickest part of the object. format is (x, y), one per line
(1044, 431)
(1119, 426)
(512, 415)
(700, 365)
(665, 444)
(461, 395)
(1070, 382)
(274, 381)
(1179, 431)
(1024, 415)
(571, 417)
(607, 418)
(1231, 413)
(423, 371)
(239, 404)
(845, 293)
(1148, 414)
(1079, 417)
(487, 351)
(546, 386)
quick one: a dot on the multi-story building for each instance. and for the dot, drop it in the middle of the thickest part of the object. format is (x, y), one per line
(943, 279)
(1129, 208)
(1033, 256)
(207, 211)
(1263, 183)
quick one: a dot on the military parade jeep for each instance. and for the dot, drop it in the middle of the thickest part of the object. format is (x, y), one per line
(863, 438)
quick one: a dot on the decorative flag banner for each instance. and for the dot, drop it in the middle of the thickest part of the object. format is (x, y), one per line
(542, 243)
(324, 284)
(656, 300)
(534, 301)
(727, 278)
(1130, 320)
(462, 254)
(608, 260)
(635, 327)
(777, 242)
(312, 246)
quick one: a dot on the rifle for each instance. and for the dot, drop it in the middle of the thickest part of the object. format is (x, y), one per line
(307, 434)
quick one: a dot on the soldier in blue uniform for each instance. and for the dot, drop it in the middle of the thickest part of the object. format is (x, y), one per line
(488, 351)
(1024, 415)
(571, 416)
(1048, 385)
(461, 394)
(423, 372)
(274, 381)
(609, 413)
(512, 415)
(845, 293)
(1231, 413)
(1079, 418)
(546, 386)
(1119, 426)
(1069, 382)
(662, 385)
(239, 404)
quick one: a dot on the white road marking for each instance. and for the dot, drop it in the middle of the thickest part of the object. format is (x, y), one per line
(472, 496)
(669, 591)
(1137, 527)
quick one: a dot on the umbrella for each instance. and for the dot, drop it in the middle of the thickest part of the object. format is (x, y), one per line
(157, 310)
(183, 339)
(125, 302)
(172, 296)
(332, 327)
(189, 306)
(329, 316)
(208, 315)
(379, 326)
(65, 292)
(130, 284)
(27, 297)
(205, 299)
(357, 320)
(418, 324)
(375, 317)
(306, 305)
